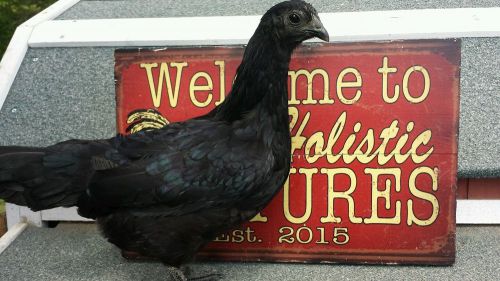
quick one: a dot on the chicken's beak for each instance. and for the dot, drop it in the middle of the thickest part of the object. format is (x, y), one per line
(317, 28)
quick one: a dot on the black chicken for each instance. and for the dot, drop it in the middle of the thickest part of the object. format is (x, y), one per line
(165, 193)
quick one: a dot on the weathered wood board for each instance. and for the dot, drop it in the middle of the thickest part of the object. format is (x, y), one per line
(374, 146)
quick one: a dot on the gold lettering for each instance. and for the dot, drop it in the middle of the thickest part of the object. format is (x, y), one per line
(385, 194)
(193, 87)
(309, 235)
(333, 137)
(349, 157)
(293, 112)
(222, 238)
(316, 141)
(386, 135)
(309, 76)
(366, 156)
(427, 84)
(156, 93)
(349, 84)
(298, 140)
(385, 70)
(332, 195)
(422, 139)
(308, 196)
(399, 156)
(259, 218)
(315, 147)
(222, 85)
(237, 236)
(250, 235)
(423, 195)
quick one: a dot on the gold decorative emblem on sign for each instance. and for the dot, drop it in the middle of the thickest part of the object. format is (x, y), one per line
(145, 119)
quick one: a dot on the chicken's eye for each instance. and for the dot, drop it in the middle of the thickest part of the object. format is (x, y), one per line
(294, 18)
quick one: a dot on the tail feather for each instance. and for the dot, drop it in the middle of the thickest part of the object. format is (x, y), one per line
(42, 178)
(12, 193)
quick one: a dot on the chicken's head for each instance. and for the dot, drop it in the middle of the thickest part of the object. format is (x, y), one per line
(293, 22)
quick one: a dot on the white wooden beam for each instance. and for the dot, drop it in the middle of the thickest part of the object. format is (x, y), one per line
(352, 26)
(478, 211)
(62, 214)
(12, 59)
(13, 214)
(11, 235)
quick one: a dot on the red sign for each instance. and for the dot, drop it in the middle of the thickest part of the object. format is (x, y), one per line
(374, 129)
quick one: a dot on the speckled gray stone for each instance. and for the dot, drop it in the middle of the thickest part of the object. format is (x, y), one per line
(479, 132)
(76, 252)
(175, 8)
(60, 94)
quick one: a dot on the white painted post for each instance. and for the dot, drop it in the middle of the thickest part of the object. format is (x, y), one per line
(11, 235)
(13, 214)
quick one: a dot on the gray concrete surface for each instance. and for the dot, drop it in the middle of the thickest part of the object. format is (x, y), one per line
(174, 8)
(479, 129)
(60, 94)
(75, 251)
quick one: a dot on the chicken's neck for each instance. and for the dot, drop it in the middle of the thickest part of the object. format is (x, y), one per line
(261, 81)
